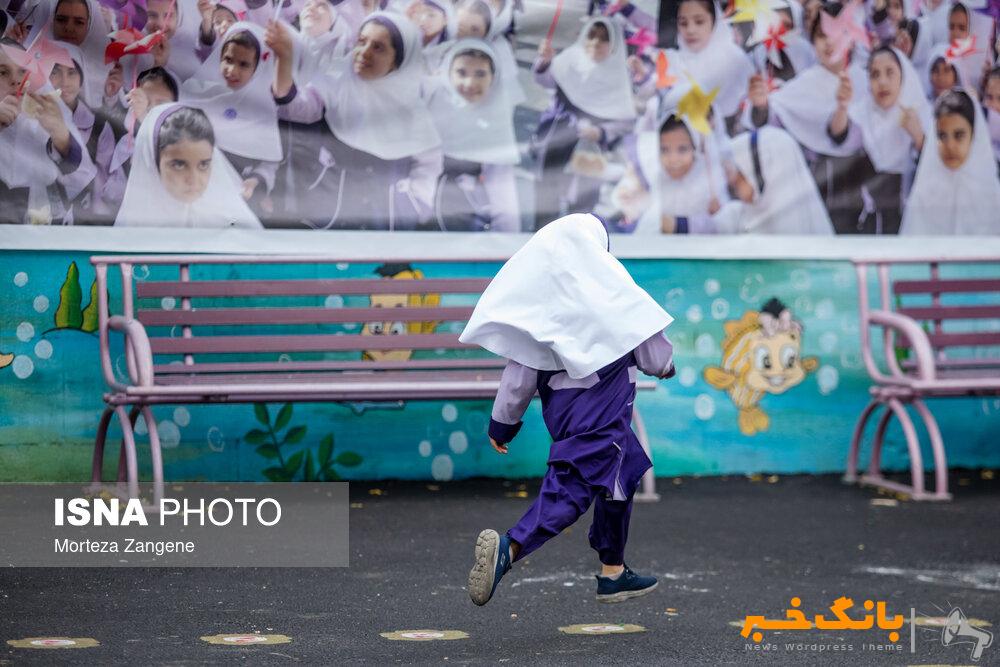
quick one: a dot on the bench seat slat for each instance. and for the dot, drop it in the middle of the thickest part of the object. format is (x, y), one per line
(950, 312)
(294, 366)
(356, 377)
(942, 286)
(228, 316)
(319, 287)
(304, 343)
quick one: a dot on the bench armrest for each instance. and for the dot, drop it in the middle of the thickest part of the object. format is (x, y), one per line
(919, 342)
(138, 354)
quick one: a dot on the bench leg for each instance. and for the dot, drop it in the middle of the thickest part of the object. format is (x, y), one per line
(128, 467)
(98, 460)
(851, 474)
(648, 492)
(874, 475)
(155, 454)
(937, 447)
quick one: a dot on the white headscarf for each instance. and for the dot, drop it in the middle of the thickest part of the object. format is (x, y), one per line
(507, 65)
(966, 200)
(688, 196)
(94, 71)
(481, 131)
(805, 104)
(386, 117)
(245, 120)
(787, 201)
(148, 204)
(591, 314)
(314, 55)
(923, 44)
(720, 64)
(936, 54)
(889, 146)
(354, 13)
(183, 60)
(26, 139)
(601, 89)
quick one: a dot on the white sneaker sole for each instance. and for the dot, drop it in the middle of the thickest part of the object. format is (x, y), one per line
(626, 595)
(481, 575)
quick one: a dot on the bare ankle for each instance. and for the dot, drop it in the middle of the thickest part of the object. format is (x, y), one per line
(611, 570)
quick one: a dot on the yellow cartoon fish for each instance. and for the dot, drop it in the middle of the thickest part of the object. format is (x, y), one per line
(760, 355)
(390, 328)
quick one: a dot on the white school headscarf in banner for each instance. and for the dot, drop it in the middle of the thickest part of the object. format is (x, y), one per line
(601, 89)
(786, 200)
(148, 204)
(688, 196)
(183, 60)
(506, 59)
(888, 145)
(591, 314)
(805, 104)
(95, 72)
(245, 120)
(963, 201)
(314, 55)
(386, 117)
(720, 64)
(481, 131)
(937, 53)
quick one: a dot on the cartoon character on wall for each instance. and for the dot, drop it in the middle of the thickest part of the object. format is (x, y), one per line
(761, 354)
(6, 360)
(387, 301)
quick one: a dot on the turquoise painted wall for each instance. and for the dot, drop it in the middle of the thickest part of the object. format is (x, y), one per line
(50, 395)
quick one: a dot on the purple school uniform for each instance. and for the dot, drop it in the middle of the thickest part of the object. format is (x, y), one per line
(595, 456)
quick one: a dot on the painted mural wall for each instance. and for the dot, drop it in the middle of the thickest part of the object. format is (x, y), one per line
(721, 414)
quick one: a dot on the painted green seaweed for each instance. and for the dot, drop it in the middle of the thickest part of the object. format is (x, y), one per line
(69, 312)
(270, 443)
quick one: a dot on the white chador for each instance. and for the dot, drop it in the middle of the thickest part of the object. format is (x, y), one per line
(147, 203)
(963, 201)
(786, 200)
(245, 120)
(591, 314)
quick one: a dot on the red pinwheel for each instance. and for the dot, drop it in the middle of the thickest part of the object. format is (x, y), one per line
(130, 42)
(773, 40)
(37, 61)
(843, 30)
(960, 48)
(642, 40)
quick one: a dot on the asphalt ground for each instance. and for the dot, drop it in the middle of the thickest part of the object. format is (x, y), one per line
(722, 547)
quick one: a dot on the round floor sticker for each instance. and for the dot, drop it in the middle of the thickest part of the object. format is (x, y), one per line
(601, 629)
(424, 635)
(54, 642)
(246, 639)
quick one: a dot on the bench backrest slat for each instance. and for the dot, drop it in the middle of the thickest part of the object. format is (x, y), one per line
(263, 316)
(308, 366)
(303, 343)
(950, 312)
(261, 287)
(946, 286)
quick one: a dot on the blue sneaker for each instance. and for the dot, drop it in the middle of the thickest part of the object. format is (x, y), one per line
(492, 562)
(627, 585)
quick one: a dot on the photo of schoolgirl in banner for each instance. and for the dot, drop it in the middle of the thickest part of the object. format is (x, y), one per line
(690, 116)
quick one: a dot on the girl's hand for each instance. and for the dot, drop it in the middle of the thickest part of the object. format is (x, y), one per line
(844, 91)
(10, 107)
(50, 117)
(114, 81)
(249, 185)
(668, 224)
(714, 205)
(637, 68)
(589, 132)
(502, 448)
(161, 53)
(138, 103)
(17, 32)
(206, 8)
(545, 51)
(910, 121)
(757, 91)
(278, 40)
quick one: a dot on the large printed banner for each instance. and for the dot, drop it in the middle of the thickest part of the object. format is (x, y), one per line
(690, 116)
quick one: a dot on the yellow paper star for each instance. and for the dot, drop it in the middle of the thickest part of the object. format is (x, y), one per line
(695, 105)
(758, 11)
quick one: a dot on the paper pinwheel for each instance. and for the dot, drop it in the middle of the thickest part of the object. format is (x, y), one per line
(773, 42)
(960, 48)
(663, 77)
(761, 12)
(642, 40)
(38, 60)
(134, 11)
(696, 105)
(130, 42)
(843, 30)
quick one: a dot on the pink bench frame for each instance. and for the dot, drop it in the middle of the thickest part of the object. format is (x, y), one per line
(931, 375)
(142, 390)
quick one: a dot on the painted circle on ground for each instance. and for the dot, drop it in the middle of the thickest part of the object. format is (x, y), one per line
(425, 635)
(54, 642)
(601, 628)
(245, 639)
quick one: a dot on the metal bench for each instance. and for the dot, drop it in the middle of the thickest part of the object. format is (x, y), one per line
(191, 337)
(939, 339)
